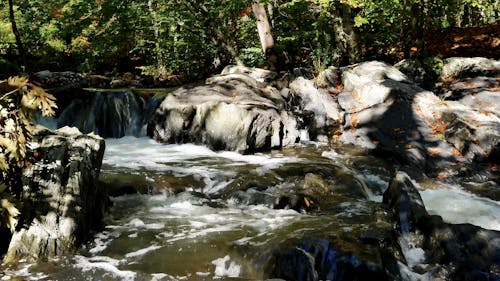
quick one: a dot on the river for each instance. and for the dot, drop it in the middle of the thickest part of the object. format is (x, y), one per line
(204, 215)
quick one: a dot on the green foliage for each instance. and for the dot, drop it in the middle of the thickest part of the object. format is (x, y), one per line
(194, 38)
(434, 65)
(19, 100)
(253, 57)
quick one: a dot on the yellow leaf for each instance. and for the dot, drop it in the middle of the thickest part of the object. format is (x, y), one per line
(307, 202)
(9, 213)
(17, 81)
(30, 100)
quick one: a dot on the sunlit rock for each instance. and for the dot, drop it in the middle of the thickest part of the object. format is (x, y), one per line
(228, 114)
(61, 199)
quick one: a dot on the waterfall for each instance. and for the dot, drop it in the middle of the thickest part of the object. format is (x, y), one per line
(109, 114)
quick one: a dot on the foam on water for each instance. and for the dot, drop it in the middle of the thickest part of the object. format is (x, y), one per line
(456, 206)
(135, 153)
(225, 267)
(216, 169)
(107, 265)
(173, 224)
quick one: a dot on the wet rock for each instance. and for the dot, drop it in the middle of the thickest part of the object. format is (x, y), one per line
(61, 200)
(229, 114)
(318, 259)
(438, 249)
(109, 114)
(404, 200)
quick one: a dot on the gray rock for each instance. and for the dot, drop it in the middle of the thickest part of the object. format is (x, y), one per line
(484, 101)
(388, 113)
(466, 67)
(61, 199)
(228, 114)
(415, 72)
(324, 108)
(473, 133)
(258, 74)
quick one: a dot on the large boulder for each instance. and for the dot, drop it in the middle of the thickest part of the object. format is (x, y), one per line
(230, 112)
(473, 133)
(61, 199)
(381, 115)
(326, 114)
(392, 115)
(457, 67)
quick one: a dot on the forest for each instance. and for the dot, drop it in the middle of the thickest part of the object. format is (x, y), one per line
(221, 139)
(192, 39)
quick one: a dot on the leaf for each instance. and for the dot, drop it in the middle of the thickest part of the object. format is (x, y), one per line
(359, 21)
(306, 201)
(30, 100)
(17, 81)
(9, 213)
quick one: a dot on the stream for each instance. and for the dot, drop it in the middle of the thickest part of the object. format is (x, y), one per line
(205, 215)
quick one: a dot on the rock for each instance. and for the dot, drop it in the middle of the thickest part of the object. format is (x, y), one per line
(404, 200)
(484, 101)
(323, 107)
(318, 259)
(473, 133)
(372, 83)
(438, 249)
(61, 199)
(109, 114)
(225, 115)
(261, 75)
(415, 72)
(60, 81)
(456, 67)
(394, 117)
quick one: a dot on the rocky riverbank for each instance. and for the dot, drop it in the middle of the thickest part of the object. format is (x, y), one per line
(393, 131)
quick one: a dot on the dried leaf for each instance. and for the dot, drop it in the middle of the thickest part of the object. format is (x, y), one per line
(17, 81)
(306, 201)
(9, 213)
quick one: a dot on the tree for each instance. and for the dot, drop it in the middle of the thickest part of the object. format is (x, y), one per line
(19, 43)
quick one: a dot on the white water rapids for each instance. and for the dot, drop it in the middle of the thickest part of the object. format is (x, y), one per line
(185, 237)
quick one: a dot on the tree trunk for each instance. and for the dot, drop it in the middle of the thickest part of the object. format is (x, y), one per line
(265, 35)
(345, 36)
(19, 43)
(263, 27)
(415, 32)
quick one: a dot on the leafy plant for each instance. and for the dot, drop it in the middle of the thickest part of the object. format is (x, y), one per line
(19, 101)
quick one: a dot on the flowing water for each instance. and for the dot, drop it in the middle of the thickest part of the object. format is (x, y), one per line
(204, 215)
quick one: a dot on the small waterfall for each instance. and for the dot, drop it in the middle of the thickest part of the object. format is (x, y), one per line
(109, 114)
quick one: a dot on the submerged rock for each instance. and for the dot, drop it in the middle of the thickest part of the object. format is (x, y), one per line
(61, 199)
(315, 259)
